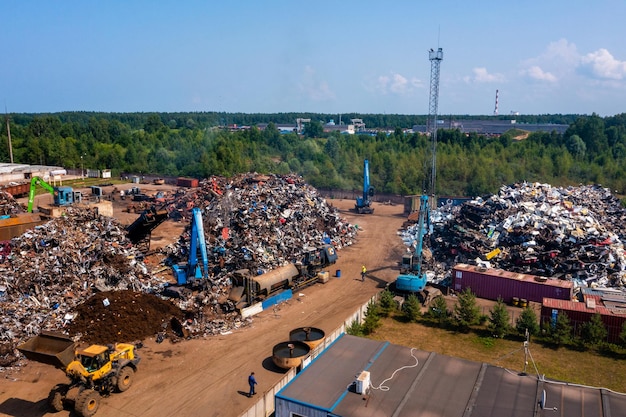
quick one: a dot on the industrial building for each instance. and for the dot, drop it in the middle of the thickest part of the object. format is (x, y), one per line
(24, 172)
(362, 377)
(493, 127)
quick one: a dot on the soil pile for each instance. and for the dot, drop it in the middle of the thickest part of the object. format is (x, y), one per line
(122, 316)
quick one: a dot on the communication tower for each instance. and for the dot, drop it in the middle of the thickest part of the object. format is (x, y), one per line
(435, 58)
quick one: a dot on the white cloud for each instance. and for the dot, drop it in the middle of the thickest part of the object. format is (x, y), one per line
(536, 73)
(602, 64)
(395, 84)
(559, 59)
(481, 75)
(313, 87)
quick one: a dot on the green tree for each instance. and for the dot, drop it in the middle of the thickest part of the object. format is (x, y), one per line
(372, 318)
(411, 308)
(313, 129)
(466, 311)
(576, 146)
(499, 319)
(593, 332)
(527, 321)
(622, 335)
(387, 303)
(561, 332)
(355, 329)
(438, 310)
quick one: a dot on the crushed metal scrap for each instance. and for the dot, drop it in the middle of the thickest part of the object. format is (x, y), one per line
(572, 233)
(251, 221)
(260, 222)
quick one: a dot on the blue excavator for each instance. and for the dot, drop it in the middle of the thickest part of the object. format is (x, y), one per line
(412, 279)
(363, 203)
(193, 272)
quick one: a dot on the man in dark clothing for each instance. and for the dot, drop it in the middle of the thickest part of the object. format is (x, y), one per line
(252, 382)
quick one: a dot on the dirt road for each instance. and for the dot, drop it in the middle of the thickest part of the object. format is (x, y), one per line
(208, 376)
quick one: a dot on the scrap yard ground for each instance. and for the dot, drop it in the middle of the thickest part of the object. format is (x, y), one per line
(208, 376)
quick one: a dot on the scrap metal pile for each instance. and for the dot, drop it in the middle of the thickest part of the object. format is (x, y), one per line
(573, 233)
(260, 222)
(8, 205)
(55, 271)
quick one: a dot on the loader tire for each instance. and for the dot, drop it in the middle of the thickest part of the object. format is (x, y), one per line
(125, 378)
(56, 397)
(87, 403)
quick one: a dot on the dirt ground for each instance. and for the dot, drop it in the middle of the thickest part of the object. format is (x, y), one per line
(209, 376)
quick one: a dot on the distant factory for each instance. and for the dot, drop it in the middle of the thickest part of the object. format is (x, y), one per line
(493, 127)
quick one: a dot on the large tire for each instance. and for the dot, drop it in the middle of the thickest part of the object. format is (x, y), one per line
(87, 403)
(56, 397)
(125, 378)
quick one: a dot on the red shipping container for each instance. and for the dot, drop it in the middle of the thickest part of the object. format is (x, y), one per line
(187, 182)
(581, 312)
(496, 283)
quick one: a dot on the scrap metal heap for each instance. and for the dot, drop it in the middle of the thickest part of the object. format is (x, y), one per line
(56, 271)
(260, 222)
(572, 233)
(8, 205)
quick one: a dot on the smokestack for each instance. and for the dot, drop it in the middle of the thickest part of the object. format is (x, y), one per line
(495, 112)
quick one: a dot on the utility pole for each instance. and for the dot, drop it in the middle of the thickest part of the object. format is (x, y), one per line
(435, 58)
(9, 134)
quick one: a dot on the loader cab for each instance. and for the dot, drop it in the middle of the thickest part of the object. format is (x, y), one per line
(95, 359)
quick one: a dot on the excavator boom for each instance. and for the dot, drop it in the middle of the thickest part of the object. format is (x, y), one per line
(31, 193)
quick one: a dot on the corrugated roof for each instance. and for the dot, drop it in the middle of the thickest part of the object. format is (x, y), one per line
(602, 307)
(409, 382)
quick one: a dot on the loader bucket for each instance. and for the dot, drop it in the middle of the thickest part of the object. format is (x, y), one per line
(50, 348)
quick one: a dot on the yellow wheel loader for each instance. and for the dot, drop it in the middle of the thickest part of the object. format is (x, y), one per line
(93, 372)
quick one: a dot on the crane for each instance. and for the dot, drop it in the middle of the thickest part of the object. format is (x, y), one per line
(363, 203)
(62, 196)
(414, 280)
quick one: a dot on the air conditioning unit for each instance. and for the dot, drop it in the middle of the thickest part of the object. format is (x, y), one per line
(363, 382)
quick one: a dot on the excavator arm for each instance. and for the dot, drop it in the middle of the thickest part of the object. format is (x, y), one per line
(31, 193)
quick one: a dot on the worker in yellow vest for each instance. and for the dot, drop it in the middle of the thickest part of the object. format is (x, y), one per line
(363, 271)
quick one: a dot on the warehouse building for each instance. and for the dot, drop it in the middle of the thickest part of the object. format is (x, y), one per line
(362, 377)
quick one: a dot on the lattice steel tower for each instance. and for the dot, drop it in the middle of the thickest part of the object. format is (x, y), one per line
(435, 58)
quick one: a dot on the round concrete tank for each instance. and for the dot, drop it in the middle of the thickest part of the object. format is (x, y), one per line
(312, 336)
(290, 354)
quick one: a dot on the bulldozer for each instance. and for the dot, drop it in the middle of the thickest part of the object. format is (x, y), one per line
(94, 372)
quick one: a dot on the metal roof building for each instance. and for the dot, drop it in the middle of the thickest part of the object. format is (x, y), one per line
(494, 126)
(407, 382)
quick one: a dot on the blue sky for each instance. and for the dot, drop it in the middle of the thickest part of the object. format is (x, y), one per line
(320, 56)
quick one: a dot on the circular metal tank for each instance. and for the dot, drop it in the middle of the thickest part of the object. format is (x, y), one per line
(290, 354)
(312, 336)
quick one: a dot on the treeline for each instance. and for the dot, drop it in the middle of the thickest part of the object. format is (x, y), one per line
(593, 150)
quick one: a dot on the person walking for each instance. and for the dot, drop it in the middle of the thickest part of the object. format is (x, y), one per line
(252, 382)
(363, 271)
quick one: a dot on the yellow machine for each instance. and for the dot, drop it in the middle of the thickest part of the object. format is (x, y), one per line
(93, 372)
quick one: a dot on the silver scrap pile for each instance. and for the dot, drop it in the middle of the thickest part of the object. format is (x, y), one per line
(56, 266)
(250, 221)
(570, 233)
(8, 205)
(260, 222)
